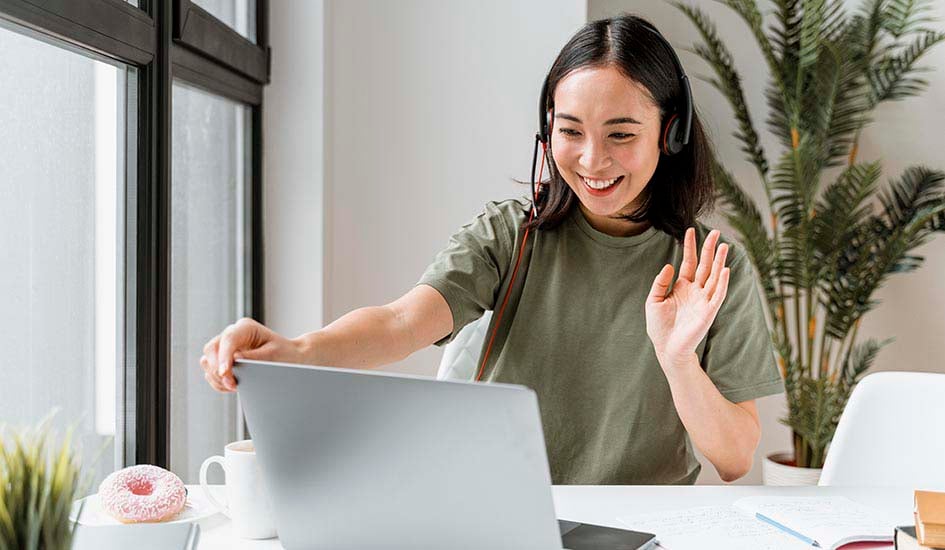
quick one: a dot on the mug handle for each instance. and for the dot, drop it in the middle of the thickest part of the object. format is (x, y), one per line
(206, 489)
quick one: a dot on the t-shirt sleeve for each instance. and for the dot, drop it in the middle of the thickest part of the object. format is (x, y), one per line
(470, 270)
(738, 355)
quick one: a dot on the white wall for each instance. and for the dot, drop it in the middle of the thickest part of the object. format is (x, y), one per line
(433, 109)
(293, 168)
(903, 134)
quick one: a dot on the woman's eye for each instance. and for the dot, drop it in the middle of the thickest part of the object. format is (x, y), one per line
(570, 132)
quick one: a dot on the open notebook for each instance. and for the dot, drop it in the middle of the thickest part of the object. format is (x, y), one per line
(830, 521)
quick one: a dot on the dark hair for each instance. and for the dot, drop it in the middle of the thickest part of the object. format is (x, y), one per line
(682, 186)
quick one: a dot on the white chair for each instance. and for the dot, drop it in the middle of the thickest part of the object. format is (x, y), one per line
(461, 356)
(891, 433)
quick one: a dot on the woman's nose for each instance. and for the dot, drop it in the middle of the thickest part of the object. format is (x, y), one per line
(594, 158)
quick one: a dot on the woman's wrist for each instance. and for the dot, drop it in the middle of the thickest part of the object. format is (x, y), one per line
(675, 361)
(304, 348)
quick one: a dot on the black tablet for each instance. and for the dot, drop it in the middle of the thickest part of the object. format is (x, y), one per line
(584, 536)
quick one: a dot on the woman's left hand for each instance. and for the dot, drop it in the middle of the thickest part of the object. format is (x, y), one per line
(677, 322)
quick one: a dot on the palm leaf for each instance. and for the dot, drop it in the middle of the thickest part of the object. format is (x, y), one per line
(891, 77)
(841, 207)
(781, 111)
(835, 21)
(829, 399)
(794, 182)
(835, 106)
(918, 188)
(728, 82)
(866, 30)
(856, 364)
(842, 294)
(905, 16)
(812, 35)
(786, 34)
(742, 214)
(748, 11)
(880, 246)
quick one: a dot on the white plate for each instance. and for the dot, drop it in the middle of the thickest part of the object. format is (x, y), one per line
(197, 508)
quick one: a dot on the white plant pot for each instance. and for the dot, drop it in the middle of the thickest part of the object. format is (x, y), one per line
(775, 471)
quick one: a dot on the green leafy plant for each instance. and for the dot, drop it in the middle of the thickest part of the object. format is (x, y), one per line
(827, 248)
(38, 484)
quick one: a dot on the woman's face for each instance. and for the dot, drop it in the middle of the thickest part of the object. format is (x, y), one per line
(605, 140)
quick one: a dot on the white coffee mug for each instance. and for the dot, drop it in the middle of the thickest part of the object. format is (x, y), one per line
(247, 501)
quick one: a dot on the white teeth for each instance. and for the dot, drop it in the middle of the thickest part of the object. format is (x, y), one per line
(599, 184)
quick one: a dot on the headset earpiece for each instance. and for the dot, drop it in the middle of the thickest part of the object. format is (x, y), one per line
(544, 113)
(679, 125)
(669, 142)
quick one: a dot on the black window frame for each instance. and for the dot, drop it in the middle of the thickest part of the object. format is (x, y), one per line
(164, 40)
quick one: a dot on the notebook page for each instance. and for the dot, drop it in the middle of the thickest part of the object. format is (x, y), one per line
(711, 528)
(831, 521)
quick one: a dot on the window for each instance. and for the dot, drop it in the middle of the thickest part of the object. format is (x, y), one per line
(107, 294)
(210, 166)
(62, 181)
(239, 15)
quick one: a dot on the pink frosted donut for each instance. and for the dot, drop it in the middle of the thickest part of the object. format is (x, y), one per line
(142, 493)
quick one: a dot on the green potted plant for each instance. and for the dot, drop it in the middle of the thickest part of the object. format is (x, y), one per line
(826, 249)
(38, 484)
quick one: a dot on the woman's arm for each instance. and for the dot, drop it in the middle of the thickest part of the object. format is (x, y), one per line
(726, 433)
(373, 336)
(365, 338)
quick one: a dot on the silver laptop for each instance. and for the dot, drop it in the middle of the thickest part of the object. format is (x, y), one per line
(359, 459)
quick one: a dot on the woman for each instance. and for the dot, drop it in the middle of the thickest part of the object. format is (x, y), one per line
(631, 367)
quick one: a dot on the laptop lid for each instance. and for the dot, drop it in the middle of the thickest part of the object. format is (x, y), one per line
(359, 459)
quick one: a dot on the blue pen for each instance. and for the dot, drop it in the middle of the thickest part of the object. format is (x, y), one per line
(787, 530)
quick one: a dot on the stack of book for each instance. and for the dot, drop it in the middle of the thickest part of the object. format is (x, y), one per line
(930, 518)
(929, 530)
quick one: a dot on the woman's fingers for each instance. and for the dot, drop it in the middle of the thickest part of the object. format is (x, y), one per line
(717, 266)
(225, 350)
(715, 302)
(213, 382)
(210, 352)
(244, 335)
(687, 269)
(661, 285)
(210, 362)
(211, 376)
(708, 256)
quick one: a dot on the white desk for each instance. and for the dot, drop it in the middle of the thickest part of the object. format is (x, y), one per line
(603, 504)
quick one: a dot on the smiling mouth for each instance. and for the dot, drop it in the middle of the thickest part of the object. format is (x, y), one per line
(600, 187)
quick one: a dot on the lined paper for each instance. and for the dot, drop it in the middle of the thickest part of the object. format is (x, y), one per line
(711, 527)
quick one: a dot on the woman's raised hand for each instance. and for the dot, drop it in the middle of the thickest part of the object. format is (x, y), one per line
(678, 321)
(245, 339)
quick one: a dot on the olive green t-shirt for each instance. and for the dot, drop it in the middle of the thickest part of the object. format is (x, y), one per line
(576, 335)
